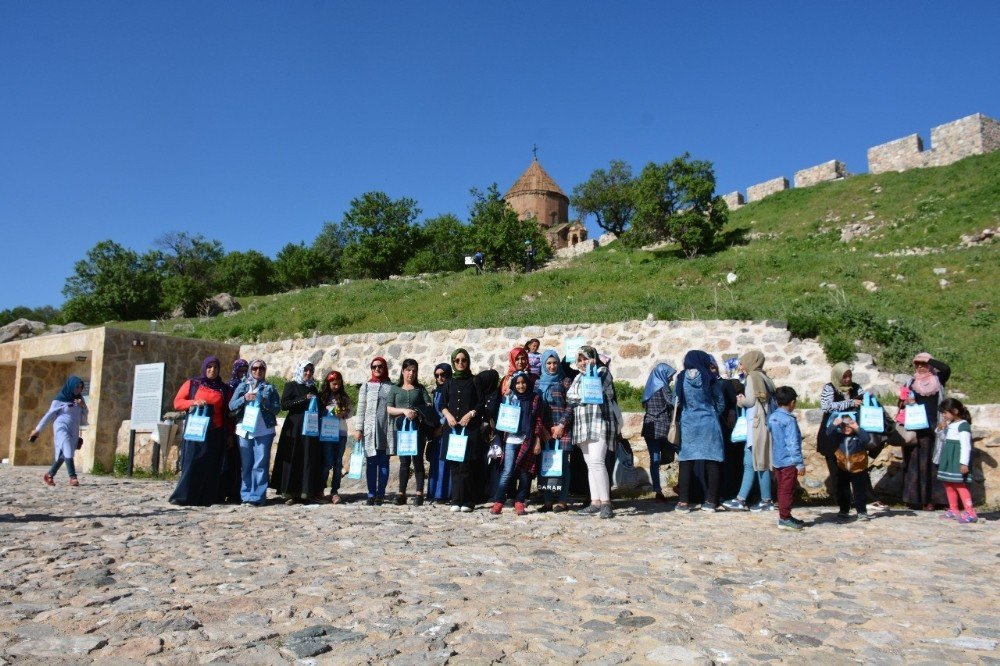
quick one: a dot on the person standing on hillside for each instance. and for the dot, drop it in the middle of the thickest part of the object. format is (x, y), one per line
(66, 414)
(478, 260)
(529, 257)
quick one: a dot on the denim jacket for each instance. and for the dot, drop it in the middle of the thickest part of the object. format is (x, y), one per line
(270, 403)
(786, 440)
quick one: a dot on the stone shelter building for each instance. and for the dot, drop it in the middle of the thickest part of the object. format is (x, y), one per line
(33, 370)
(535, 194)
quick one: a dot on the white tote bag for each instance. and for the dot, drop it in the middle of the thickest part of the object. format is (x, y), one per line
(871, 417)
(457, 441)
(916, 417)
(310, 420)
(740, 428)
(357, 461)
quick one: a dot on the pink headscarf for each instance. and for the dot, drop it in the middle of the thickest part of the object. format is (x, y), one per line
(925, 379)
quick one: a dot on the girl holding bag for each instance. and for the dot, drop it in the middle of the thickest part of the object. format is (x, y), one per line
(552, 385)
(260, 405)
(299, 460)
(404, 397)
(521, 448)
(335, 400)
(924, 392)
(374, 430)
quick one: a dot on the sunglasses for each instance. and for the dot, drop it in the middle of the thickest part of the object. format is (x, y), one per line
(257, 368)
(378, 366)
(440, 374)
(461, 360)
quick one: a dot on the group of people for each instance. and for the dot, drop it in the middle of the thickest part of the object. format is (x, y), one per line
(487, 438)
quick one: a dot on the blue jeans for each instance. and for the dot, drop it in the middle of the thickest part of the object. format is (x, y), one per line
(255, 458)
(506, 472)
(333, 459)
(377, 474)
(656, 448)
(58, 463)
(548, 495)
(749, 475)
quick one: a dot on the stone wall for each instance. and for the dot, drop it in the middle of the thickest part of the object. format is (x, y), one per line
(899, 155)
(832, 170)
(973, 135)
(583, 247)
(734, 200)
(8, 374)
(767, 188)
(634, 346)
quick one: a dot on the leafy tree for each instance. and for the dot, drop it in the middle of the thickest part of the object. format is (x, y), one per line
(380, 235)
(330, 243)
(608, 196)
(496, 230)
(111, 283)
(441, 246)
(187, 266)
(674, 201)
(46, 314)
(247, 273)
(297, 265)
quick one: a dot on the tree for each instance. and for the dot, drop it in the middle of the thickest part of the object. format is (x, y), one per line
(380, 235)
(46, 314)
(674, 201)
(330, 243)
(496, 230)
(111, 283)
(247, 273)
(608, 196)
(187, 266)
(441, 246)
(298, 266)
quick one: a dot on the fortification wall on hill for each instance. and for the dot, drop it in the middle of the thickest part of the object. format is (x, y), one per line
(634, 346)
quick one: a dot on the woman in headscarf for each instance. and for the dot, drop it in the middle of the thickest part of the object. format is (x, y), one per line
(488, 389)
(552, 386)
(731, 469)
(231, 472)
(460, 401)
(67, 413)
(658, 401)
(298, 463)
(595, 430)
(921, 488)
(517, 361)
(758, 400)
(521, 448)
(439, 478)
(333, 400)
(374, 429)
(699, 403)
(255, 439)
(840, 394)
(199, 482)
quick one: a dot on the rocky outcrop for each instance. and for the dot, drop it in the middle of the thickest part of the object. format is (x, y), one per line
(19, 329)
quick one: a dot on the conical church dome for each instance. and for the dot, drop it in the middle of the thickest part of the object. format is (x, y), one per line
(534, 180)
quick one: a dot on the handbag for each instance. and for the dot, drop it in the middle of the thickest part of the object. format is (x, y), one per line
(552, 460)
(329, 428)
(310, 420)
(871, 416)
(740, 428)
(916, 417)
(591, 387)
(406, 439)
(900, 436)
(457, 442)
(197, 425)
(357, 461)
(250, 414)
(509, 417)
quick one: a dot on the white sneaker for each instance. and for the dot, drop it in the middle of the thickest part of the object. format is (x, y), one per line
(455, 508)
(466, 509)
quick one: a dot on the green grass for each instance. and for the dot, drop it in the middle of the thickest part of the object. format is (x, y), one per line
(782, 249)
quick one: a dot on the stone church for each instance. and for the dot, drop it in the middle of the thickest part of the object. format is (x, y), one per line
(536, 195)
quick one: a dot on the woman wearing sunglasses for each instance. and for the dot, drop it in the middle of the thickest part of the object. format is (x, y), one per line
(255, 438)
(373, 429)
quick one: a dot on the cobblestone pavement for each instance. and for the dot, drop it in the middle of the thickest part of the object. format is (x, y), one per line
(111, 572)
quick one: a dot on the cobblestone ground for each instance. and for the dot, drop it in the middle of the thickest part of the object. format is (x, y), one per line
(111, 572)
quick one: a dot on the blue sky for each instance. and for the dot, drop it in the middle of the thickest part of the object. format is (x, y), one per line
(254, 122)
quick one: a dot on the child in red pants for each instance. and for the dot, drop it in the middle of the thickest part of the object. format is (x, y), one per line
(952, 456)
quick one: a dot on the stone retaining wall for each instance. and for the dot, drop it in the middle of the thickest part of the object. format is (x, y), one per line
(767, 188)
(832, 170)
(634, 346)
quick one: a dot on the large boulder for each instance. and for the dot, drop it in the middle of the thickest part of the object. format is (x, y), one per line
(20, 328)
(219, 304)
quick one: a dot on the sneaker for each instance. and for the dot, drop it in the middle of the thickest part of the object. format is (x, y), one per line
(864, 517)
(682, 507)
(455, 508)
(606, 512)
(519, 508)
(949, 515)
(711, 508)
(736, 504)
(789, 525)
(796, 520)
(878, 506)
(967, 518)
(466, 509)
(764, 506)
(73, 481)
(47, 478)
(400, 499)
(418, 500)
(497, 508)
(588, 510)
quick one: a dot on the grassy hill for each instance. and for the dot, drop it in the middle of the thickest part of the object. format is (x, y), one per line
(790, 262)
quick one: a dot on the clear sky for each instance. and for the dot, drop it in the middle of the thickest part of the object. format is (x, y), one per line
(254, 122)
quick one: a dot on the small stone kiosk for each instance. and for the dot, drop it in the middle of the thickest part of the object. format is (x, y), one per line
(33, 370)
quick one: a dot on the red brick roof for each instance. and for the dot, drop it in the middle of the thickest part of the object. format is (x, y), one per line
(534, 179)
